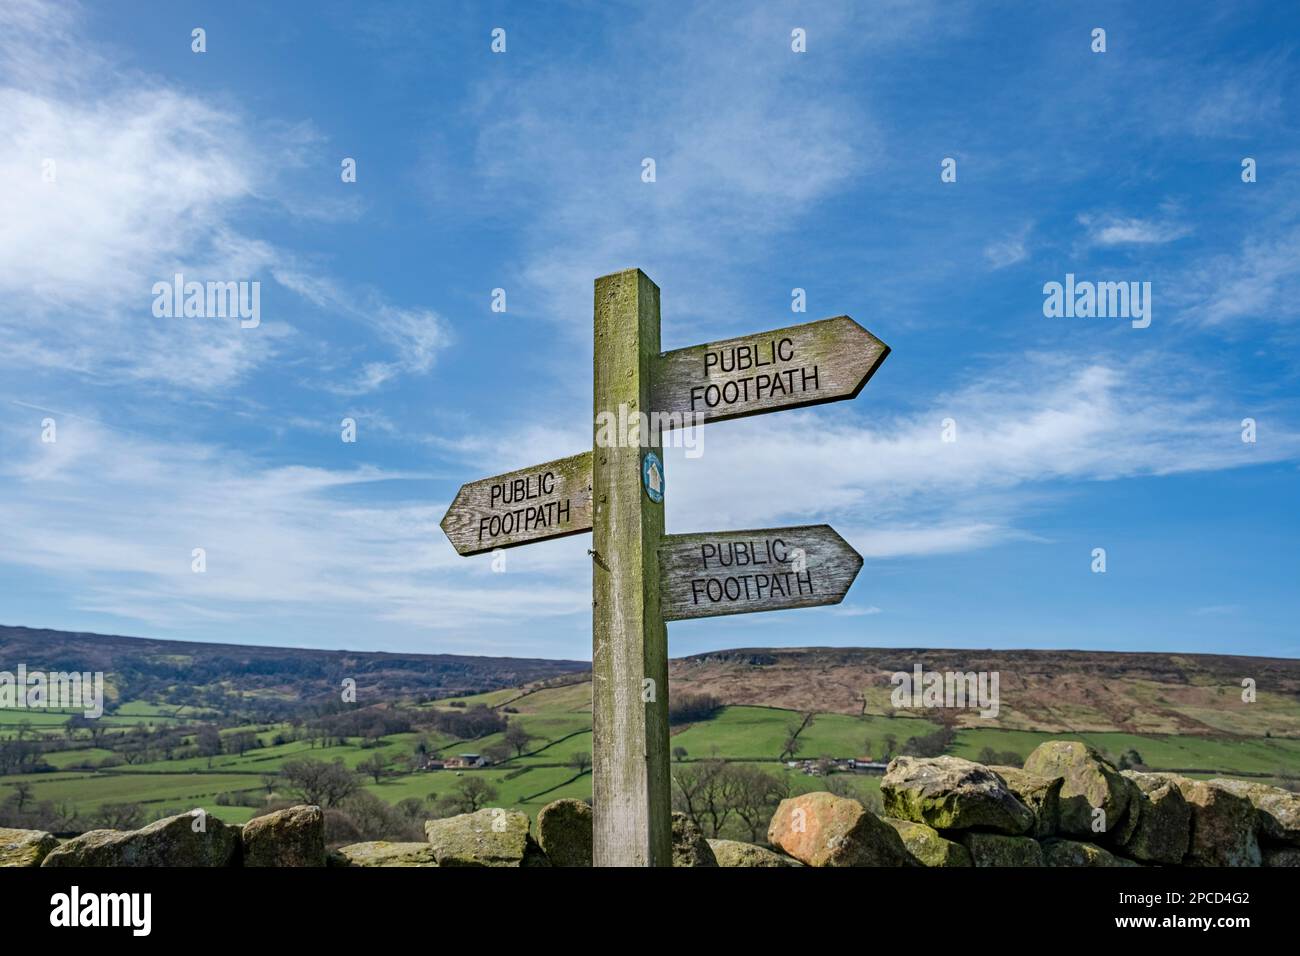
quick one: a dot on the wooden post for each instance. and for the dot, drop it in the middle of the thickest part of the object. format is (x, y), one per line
(629, 655)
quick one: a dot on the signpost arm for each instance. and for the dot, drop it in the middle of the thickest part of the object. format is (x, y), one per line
(630, 771)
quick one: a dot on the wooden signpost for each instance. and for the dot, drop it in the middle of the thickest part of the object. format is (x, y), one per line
(740, 572)
(532, 504)
(810, 364)
(642, 577)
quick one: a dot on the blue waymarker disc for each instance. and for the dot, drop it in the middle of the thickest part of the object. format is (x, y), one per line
(652, 477)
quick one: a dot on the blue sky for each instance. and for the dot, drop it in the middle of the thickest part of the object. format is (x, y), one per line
(775, 170)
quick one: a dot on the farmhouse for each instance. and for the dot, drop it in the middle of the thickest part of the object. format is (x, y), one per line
(461, 761)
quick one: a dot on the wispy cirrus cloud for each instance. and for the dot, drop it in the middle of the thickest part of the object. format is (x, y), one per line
(1260, 281)
(114, 517)
(1112, 230)
(1010, 249)
(773, 170)
(747, 139)
(417, 336)
(115, 180)
(899, 489)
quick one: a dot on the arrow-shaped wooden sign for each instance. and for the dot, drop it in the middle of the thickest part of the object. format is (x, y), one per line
(738, 572)
(801, 365)
(546, 501)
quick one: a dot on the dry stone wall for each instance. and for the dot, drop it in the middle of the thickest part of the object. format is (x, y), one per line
(1067, 807)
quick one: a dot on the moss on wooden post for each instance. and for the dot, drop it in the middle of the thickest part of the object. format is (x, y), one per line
(630, 773)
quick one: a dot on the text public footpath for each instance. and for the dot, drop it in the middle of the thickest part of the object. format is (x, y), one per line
(529, 516)
(742, 358)
(757, 585)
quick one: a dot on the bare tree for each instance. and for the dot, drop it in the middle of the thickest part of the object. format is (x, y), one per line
(208, 742)
(376, 766)
(320, 783)
(22, 793)
(792, 745)
(119, 816)
(707, 793)
(756, 794)
(470, 794)
(241, 742)
(375, 819)
(517, 738)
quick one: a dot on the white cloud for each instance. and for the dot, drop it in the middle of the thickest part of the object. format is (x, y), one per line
(417, 335)
(112, 517)
(1237, 99)
(1259, 282)
(895, 488)
(147, 181)
(752, 143)
(748, 140)
(143, 185)
(1010, 249)
(841, 610)
(1119, 231)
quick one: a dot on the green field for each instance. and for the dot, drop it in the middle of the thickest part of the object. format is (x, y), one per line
(173, 792)
(559, 720)
(758, 733)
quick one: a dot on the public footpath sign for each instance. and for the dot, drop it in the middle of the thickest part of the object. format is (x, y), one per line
(739, 572)
(533, 504)
(642, 577)
(802, 365)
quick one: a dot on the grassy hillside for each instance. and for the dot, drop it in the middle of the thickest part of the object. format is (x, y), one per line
(1058, 691)
(140, 670)
(217, 746)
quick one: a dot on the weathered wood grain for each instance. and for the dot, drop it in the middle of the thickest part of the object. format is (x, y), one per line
(629, 657)
(550, 500)
(794, 367)
(739, 572)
